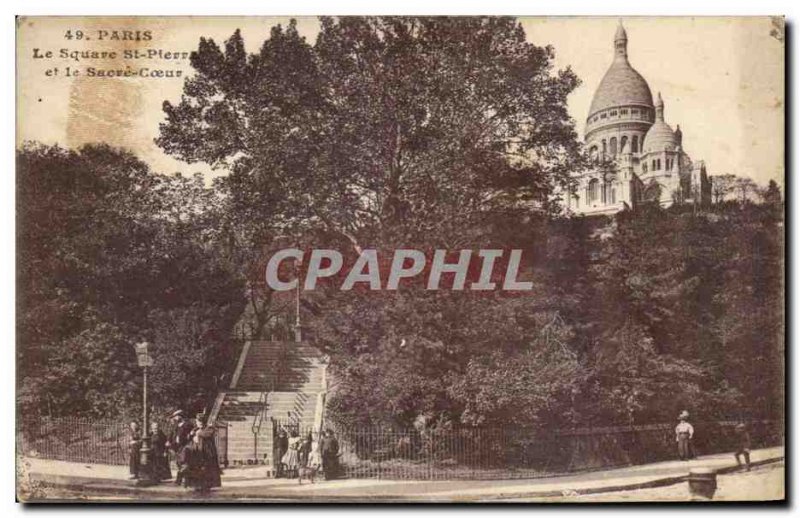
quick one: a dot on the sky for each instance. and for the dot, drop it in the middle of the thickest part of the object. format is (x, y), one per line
(722, 80)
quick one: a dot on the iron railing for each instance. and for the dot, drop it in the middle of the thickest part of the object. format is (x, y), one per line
(89, 441)
(504, 453)
(428, 454)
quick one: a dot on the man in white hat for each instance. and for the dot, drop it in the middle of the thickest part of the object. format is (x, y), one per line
(683, 436)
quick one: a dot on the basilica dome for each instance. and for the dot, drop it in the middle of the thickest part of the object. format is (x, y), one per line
(660, 135)
(622, 85)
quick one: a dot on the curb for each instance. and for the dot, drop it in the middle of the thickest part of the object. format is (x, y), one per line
(662, 482)
(158, 493)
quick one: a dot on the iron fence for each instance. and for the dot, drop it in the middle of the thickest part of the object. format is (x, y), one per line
(445, 453)
(504, 453)
(88, 440)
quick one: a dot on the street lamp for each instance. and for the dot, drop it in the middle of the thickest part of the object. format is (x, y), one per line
(298, 328)
(145, 466)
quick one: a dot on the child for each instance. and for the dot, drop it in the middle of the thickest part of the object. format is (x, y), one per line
(291, 458)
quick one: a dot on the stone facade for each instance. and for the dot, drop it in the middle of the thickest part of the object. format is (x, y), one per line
(637, 156)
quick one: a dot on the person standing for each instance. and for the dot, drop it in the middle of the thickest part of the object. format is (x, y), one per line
(281, 446)
(329, 449)
(742, 445)
(160, 454)
(134, 449)
(683, 436)
(179, 439)
(314, 458)
(205, 471)
(291, 458)
(304, 451)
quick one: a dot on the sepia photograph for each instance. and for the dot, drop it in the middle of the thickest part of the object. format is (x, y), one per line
(400, 259)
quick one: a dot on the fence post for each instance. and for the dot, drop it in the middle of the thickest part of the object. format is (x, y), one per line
(380, 453)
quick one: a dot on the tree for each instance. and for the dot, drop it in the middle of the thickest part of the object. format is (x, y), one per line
(744, 187)
(534, 386)
(111, 254)
(386, 127)
(772, 194)
(388, 133)
(721, 186)
(453, 133)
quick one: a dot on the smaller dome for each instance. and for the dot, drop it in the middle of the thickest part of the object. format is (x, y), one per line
(660, 135)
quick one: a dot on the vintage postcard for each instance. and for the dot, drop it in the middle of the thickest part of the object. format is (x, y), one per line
(400, 259)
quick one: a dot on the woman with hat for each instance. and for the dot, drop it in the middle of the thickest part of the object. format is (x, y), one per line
(683, 435)
(204, 462)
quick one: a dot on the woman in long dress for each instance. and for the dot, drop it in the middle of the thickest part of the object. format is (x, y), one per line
(291, 457)
(204, 462)
(314, 458)
(134, 449)
(160, 454)
(329, 449)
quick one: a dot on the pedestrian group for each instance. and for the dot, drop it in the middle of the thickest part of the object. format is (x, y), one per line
(303, 457)
(192, 446)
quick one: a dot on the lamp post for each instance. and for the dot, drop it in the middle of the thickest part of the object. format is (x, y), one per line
(145, 465)
(298, 328)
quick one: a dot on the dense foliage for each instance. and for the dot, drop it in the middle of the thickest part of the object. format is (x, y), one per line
(394, 133)
(110, 254)
(633, 319)
(439, 133)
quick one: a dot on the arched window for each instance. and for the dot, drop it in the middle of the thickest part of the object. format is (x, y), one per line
(608, 192)
(591, 191)
(623, 144)
(613, 146)
(593, 152)
(635, 144)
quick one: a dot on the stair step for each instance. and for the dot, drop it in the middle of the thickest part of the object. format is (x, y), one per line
(295, 371)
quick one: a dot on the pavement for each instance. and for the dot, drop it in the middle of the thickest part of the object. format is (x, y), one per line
(764, 483)
(41, 479)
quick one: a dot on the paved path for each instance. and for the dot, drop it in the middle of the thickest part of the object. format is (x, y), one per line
(68, 480)
(766, 482)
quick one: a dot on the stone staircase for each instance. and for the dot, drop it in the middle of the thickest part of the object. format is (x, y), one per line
(273, 380)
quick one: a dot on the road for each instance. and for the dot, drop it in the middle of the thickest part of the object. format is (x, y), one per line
(762, 483)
